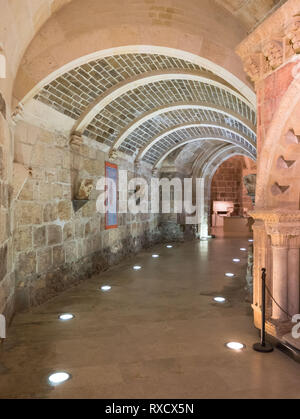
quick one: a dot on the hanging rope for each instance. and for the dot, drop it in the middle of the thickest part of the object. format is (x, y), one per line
(273, 299)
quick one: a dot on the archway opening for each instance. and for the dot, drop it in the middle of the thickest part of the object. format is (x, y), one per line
(230, 197)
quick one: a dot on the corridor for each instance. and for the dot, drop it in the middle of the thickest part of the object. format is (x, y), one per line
(157, 333)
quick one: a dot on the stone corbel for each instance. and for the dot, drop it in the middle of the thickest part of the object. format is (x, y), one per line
(18, 114)
(113, 155)
(293, 33)
(155, 172)
(273, 51)
(76, 139)
(252, 66)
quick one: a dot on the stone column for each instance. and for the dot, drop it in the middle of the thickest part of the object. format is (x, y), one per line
(280, 275)
(261, 259)
(293, 276)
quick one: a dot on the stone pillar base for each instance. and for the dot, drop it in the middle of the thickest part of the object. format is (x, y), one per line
(274, 328)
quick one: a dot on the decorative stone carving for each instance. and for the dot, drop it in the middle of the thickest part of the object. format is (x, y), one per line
(277, 39)
(273, 51)
(252, 66)
(18, 114)
(276, 216)
(76, 139)
(250, 183)
(85, 189)
(291, 137)
(113, 154)
(284, 164)
(293, 33)
(278, 189)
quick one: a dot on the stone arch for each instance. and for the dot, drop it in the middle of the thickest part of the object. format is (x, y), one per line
(160, 161)
(148, 116)
(177, 128)
(207, 172)
(275, 146)
(59, 43)
(101, 102)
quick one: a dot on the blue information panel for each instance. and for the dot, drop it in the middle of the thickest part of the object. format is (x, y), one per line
(111, 173)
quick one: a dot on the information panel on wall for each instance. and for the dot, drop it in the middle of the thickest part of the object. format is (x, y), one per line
(111, 174)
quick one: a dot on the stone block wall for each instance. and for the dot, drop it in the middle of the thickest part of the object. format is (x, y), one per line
(227, 184)
(54, 247)
(6, 257)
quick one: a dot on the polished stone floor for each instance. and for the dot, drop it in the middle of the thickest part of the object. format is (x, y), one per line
(156, 334)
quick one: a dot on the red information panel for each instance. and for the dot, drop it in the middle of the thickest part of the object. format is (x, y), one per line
(111, 174)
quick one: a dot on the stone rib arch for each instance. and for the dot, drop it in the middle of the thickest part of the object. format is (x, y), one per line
(175, 129)
(159, 162)
(207, 172)
(59, 43)
(145, 79)
(148, 116)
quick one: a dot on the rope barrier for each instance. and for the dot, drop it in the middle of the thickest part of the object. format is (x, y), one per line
(273, 299)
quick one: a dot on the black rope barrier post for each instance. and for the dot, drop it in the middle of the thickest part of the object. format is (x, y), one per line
(263, 346)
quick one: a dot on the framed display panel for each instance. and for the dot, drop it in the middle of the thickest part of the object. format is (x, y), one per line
(111, 216)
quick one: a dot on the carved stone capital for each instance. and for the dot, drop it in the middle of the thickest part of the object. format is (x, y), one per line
(277, 216)
(273, 51)
(294, 242)
(277, 39)
(278, 239)
(293, 33)
(252, 66)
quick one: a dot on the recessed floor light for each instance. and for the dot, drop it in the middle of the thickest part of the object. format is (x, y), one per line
(58, 378)
(66, 317)
(219, 299)
(106, 288)
(169, 246)
(137, 268)
(250, 240)
(229, 275)
(155, 256)
(236, 260)
(235, 346)
(243, 249)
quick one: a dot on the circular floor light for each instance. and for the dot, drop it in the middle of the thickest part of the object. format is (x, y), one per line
(235, 346)
(220, 299)
(229, 275)
(236, 260)
(169, 246)
(155, 256)
(250, 240)
(58, 378)
(137, 268)
(66, 317)
(106, 288)
(243, 249)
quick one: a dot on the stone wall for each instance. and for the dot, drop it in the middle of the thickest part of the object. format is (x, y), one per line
(227, 184)
(6, 268)
(54, 246)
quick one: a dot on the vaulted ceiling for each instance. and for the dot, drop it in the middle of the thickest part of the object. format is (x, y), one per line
(148, 105)
(251, 12)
